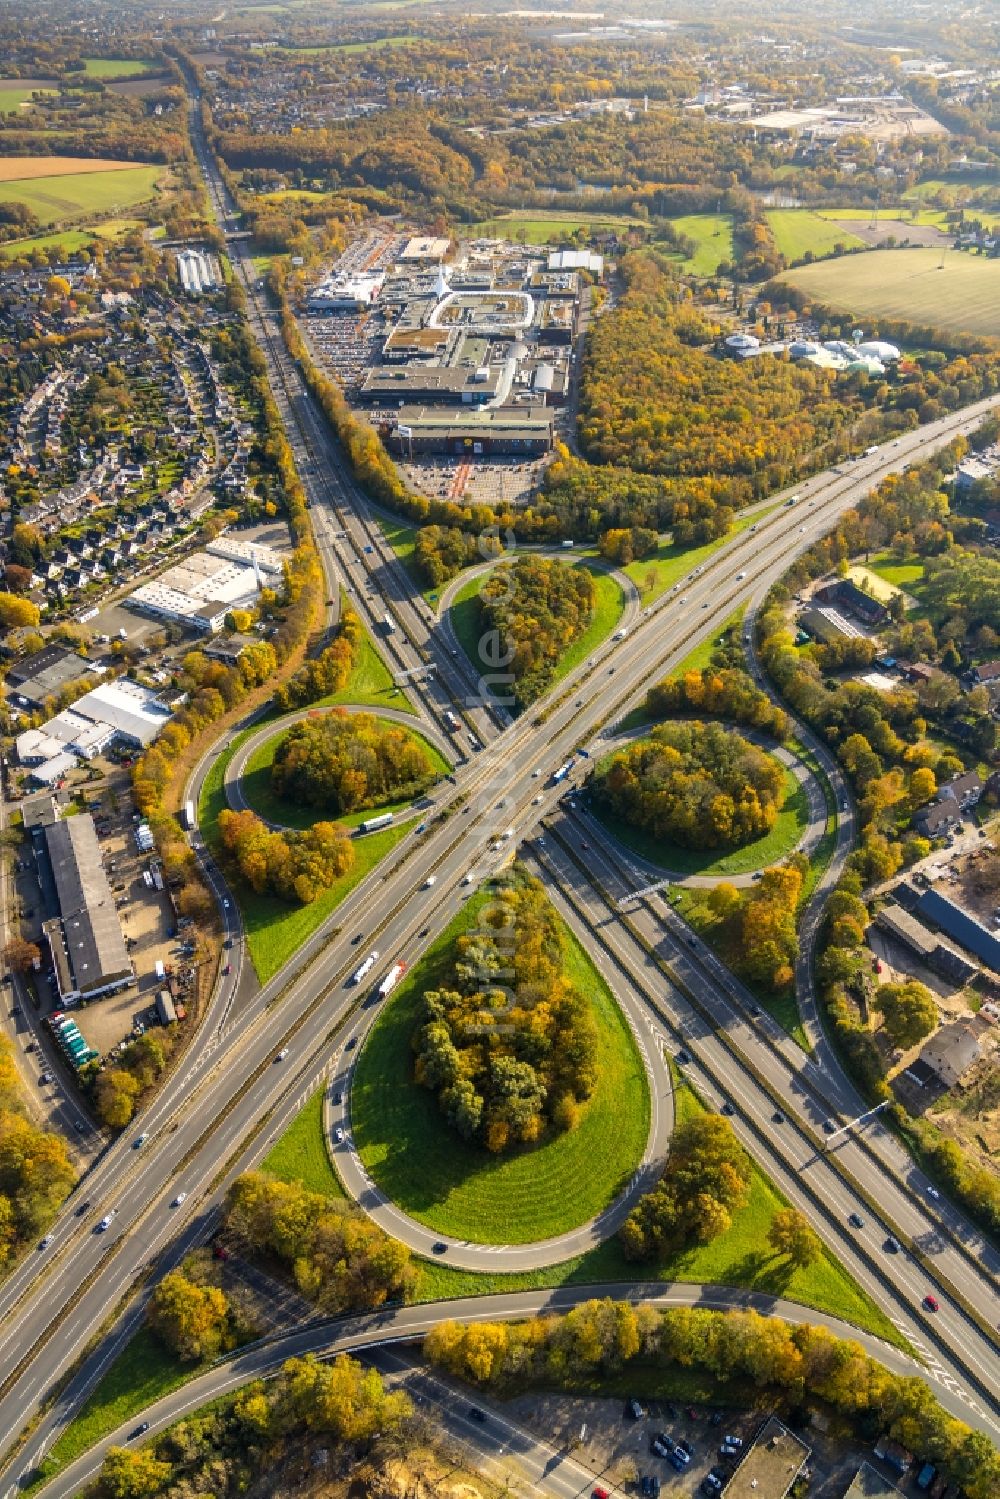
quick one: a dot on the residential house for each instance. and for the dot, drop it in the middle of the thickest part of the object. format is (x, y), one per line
(949, 1054)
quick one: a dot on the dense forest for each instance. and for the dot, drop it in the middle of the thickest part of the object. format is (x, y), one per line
(538, 607)
(699, 785)
(654, 397)
(341, 761)
(339, 1257)
(506, 1043)
(326, 673)
(294, 866)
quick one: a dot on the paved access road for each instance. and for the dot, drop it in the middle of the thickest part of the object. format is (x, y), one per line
(381, 1329)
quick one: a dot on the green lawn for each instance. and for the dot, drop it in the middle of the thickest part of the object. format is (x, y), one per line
(460, 1189)
(14, 94)
(552, 227)
(300, 1154)
(713, 235)
(378, 45)
(700, 658)
(371, 684)
(670, 563)
(403, 539)
(609, 601)
(69, 241)
(275, 809)
(788, 829)
(118, 67)
(798, 230)
(899, 574)
(55, 198)
(143, 1372)
(739, 1257)
(276, 929)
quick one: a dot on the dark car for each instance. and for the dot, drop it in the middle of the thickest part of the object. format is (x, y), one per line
(475, 1414)
(633, 1410)
(856, 1220)
(890, 1246)
(778, 1117)
(727, 1108)
(338, 1097)
(138, 1431)
(350, 1043)
(439, 1247)
(83, 1208)
(683, 1058)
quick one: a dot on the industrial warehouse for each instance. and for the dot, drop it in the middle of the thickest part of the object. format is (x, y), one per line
(89, 956)
(466, 357)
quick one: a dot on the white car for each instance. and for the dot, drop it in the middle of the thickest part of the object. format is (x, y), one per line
(535, 800)
(44, 1244)
(430, 880)
(105, 1223)
(181, 1197)
(282, 1054)
(225, 905)
(933, 1192)
(338, 1135)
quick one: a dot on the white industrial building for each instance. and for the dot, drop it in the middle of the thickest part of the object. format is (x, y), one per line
(576, 260)
(424, 249)
(200, 591)
(115, 712)
(345, 293)
(197, 272)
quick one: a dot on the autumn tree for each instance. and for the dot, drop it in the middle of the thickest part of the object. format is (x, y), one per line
(16, 611)
(22, 956)
(191, 1319)
(909, 1011)
(791, 1235)
(132, 1475)
(706, 1180)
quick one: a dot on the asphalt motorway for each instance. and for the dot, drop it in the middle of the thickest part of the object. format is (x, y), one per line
(88, 1271)
(235, 1083)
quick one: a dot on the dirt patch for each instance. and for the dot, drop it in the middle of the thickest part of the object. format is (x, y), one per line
(136, 88)
(902, 230)
(27, 168)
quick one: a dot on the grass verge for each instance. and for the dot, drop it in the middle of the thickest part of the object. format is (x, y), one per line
(300, 1154)
(371, 684)
(462, 1190)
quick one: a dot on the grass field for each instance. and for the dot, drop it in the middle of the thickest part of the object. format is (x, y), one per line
(69, 241)
(713, 234)
(666, 566)
(275, 928)
(53, 197)
(275, 809)
(143, 1372)
(461, 1189)
(898, 574)
(788, 829)
(701, 656)
(117, 67)
(371, 684)
(963, 296)
(551, 227)
(609, 602)
(403, 539)
(378, 45)
(17, 91)
(300, 1154)
(797, 230)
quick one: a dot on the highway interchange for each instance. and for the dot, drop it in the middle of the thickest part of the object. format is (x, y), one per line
(63, 1311)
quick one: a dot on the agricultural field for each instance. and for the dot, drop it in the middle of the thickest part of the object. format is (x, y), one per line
(117, 67)
(713, 234)
(545, 229)
(798, 230)
(69, 241)
(57, 188)
(379, 44)
(957, 292)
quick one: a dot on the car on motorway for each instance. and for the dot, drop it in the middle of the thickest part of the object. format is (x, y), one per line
(227, 969)
(535, 800)
(181, 1197)
(140, 1140)
(476, 1414)
(44, 1243)
(931, 1303)
(856, 1220)
(726, 1108)
(225, 905)
(105, 1222)
(338, 1097)
(683, 1057)
(350, 1043)
(890, 1246)
(338, 1136)
(439, 1247)
(933, 1192)
(282, 1054)
(83, 1208)
(138, 1431)
(778, 1117)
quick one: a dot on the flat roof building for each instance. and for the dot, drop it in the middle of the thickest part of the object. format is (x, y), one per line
(52, 669)
(425, 249)
(517, 430)
(201, 590)
(770, 1465)
(454, 384)
(964, 929)
(88, 949)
